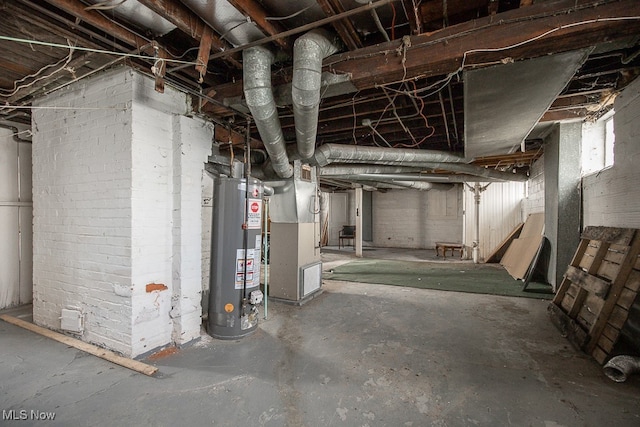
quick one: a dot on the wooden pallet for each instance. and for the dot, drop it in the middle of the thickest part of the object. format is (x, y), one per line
(601, 284)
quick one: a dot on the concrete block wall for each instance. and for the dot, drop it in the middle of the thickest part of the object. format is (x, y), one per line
(534, 202)
(111, 225)
(417, 219)
(611, 197)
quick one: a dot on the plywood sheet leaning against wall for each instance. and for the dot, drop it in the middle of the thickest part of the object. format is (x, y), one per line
(523, 250)
(499, 251)
(592, 304)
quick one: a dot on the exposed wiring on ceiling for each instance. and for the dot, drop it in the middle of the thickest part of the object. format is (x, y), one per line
(426, 124)
(108, 64)
(355, 116)
(239, 24)
(293, 15)
(105, 5)
(17, 86)
(56, 107)
(106, 52)
(445, 39)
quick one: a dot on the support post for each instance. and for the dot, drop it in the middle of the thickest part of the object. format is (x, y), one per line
(358, 239)
(477, 189)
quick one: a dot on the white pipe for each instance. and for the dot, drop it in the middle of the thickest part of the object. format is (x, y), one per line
(476, 240)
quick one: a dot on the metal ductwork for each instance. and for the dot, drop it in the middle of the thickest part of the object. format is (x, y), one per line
(619, 368)
(259, 96)
(421, 185)
(329, 153)
(308, 52)
(436, 178)
(417, 159)
(476, 171)
(334, 170)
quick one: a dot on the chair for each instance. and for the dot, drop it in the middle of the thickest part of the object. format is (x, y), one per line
(348, 232)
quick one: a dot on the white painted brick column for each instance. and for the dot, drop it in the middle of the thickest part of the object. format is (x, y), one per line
(117, 211)
(82, 208)
(192, 139)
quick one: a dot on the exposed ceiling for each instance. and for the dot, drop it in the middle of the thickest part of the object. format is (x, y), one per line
(398, 80)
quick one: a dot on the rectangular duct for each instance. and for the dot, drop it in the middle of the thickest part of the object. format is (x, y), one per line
(503, 103)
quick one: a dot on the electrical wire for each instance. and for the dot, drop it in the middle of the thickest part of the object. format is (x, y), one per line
(54, 107)
(15, 88)
(355, 116)
(241, 23)
(86, 49)
(31, 83)
(293, 15)
(104, 5)
(393, 22)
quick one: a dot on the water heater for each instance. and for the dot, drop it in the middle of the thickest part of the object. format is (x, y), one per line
(236, 240)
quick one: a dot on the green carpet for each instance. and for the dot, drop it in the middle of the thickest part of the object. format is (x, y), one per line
(458, 277)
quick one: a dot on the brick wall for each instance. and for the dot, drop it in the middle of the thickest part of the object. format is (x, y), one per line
(108, 177)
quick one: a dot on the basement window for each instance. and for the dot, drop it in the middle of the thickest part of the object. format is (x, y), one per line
(598, 140)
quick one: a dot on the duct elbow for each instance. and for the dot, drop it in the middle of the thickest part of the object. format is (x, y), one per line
(620, 367)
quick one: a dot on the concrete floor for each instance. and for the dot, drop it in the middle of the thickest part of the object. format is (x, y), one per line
(357, 355)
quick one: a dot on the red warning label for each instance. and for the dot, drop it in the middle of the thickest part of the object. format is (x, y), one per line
(254, 216)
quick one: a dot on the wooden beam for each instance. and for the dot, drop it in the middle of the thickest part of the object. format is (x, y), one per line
(203, 52)
(256, 12)
(306, 27)
(524, 3)
(541, 29)
(223, 135)
(97, 20)
(344, 27)
(108, 355)
(441, 53)
(188, 22)
(557, 115)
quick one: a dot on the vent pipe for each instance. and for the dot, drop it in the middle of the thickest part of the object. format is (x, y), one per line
(258, 92)
(308, 52)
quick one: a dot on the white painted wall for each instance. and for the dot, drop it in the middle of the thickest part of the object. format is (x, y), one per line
(117, 207)
(612, 197)
(500, 213)
(417, 219)
(15, 220)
